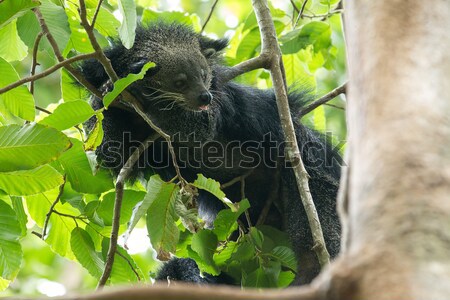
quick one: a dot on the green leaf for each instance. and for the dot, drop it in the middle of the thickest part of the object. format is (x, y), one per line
(127, 30)
(204, 243)
(257, 237)
(57, 23)
(320, 122)
(30, 182)
(4, 283)
(17, 204)
(95, 137)
(213, 187)
(12, 9)
(106, 23)
(18, 101)
(222, 256)
(14, 49)
(59, 227)
(83, 249)
(122, 84)
(10, 249)
(286, 257)
(69, 114)
(317, 34)
(285, 279)
(106, 207)
(225, 222)
(29, 146)
(161, 216)
(70, 90)
(79, 172)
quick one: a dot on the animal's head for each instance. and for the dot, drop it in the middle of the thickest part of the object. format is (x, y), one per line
(183, 72)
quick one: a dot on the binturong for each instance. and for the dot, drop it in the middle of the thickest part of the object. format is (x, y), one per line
(220, 129)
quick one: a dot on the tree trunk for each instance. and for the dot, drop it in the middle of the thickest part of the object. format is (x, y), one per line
(397, 208)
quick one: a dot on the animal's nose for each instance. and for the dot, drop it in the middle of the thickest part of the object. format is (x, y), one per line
(205, 97)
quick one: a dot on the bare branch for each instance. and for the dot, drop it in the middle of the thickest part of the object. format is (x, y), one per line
(123, 175)
(300, 14)
(97, 11)
(34, 59)
(295, 6)
(324, 99)
(209, 15)
(193, 292)
(63, 63)
(271, 47)
(52, 209)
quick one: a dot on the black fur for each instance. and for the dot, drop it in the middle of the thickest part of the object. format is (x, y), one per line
(237, 114)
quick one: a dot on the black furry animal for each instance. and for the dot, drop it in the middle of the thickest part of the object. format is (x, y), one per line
(222, 130)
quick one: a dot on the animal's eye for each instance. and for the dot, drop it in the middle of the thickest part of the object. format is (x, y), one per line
(180, 81)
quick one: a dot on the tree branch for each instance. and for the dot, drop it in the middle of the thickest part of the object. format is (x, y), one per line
(209, 15)
(271, 47)
(63, 63)
(52, 209)
(324, 99)
(123, 175)
(185, 291)
(34, 59)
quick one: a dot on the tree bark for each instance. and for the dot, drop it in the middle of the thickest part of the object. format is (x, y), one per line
(398, 209)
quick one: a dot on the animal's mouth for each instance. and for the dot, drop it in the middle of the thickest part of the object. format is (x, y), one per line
(203, 107)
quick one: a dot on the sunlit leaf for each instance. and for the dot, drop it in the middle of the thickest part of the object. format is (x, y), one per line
(161, 217)
(127, 30)
(69, 114)
(10, 249)
(14, 49)
(122, 83)
(30, 182)
(83, 249)
(18, 101)
(29, 146)
(12, 9)
(79, 172)
(204, 243)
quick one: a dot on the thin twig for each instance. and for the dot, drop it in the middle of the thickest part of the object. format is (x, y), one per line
(295, 6)
(130, 264)
(43, 110)
(324, 99)
(52, 209)
(97, 11)
(300, 14)
(209, 16)
(236, 179)
(34, 63)
(247, 215)
(335, 106)
(80, 217)
(123, 175)
(63, 63)
(93, 40)
(324, 16)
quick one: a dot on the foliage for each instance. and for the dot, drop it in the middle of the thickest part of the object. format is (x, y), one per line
(48, 177)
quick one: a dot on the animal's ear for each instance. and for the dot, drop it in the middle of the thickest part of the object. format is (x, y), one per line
(136, 67)
(210, 47)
